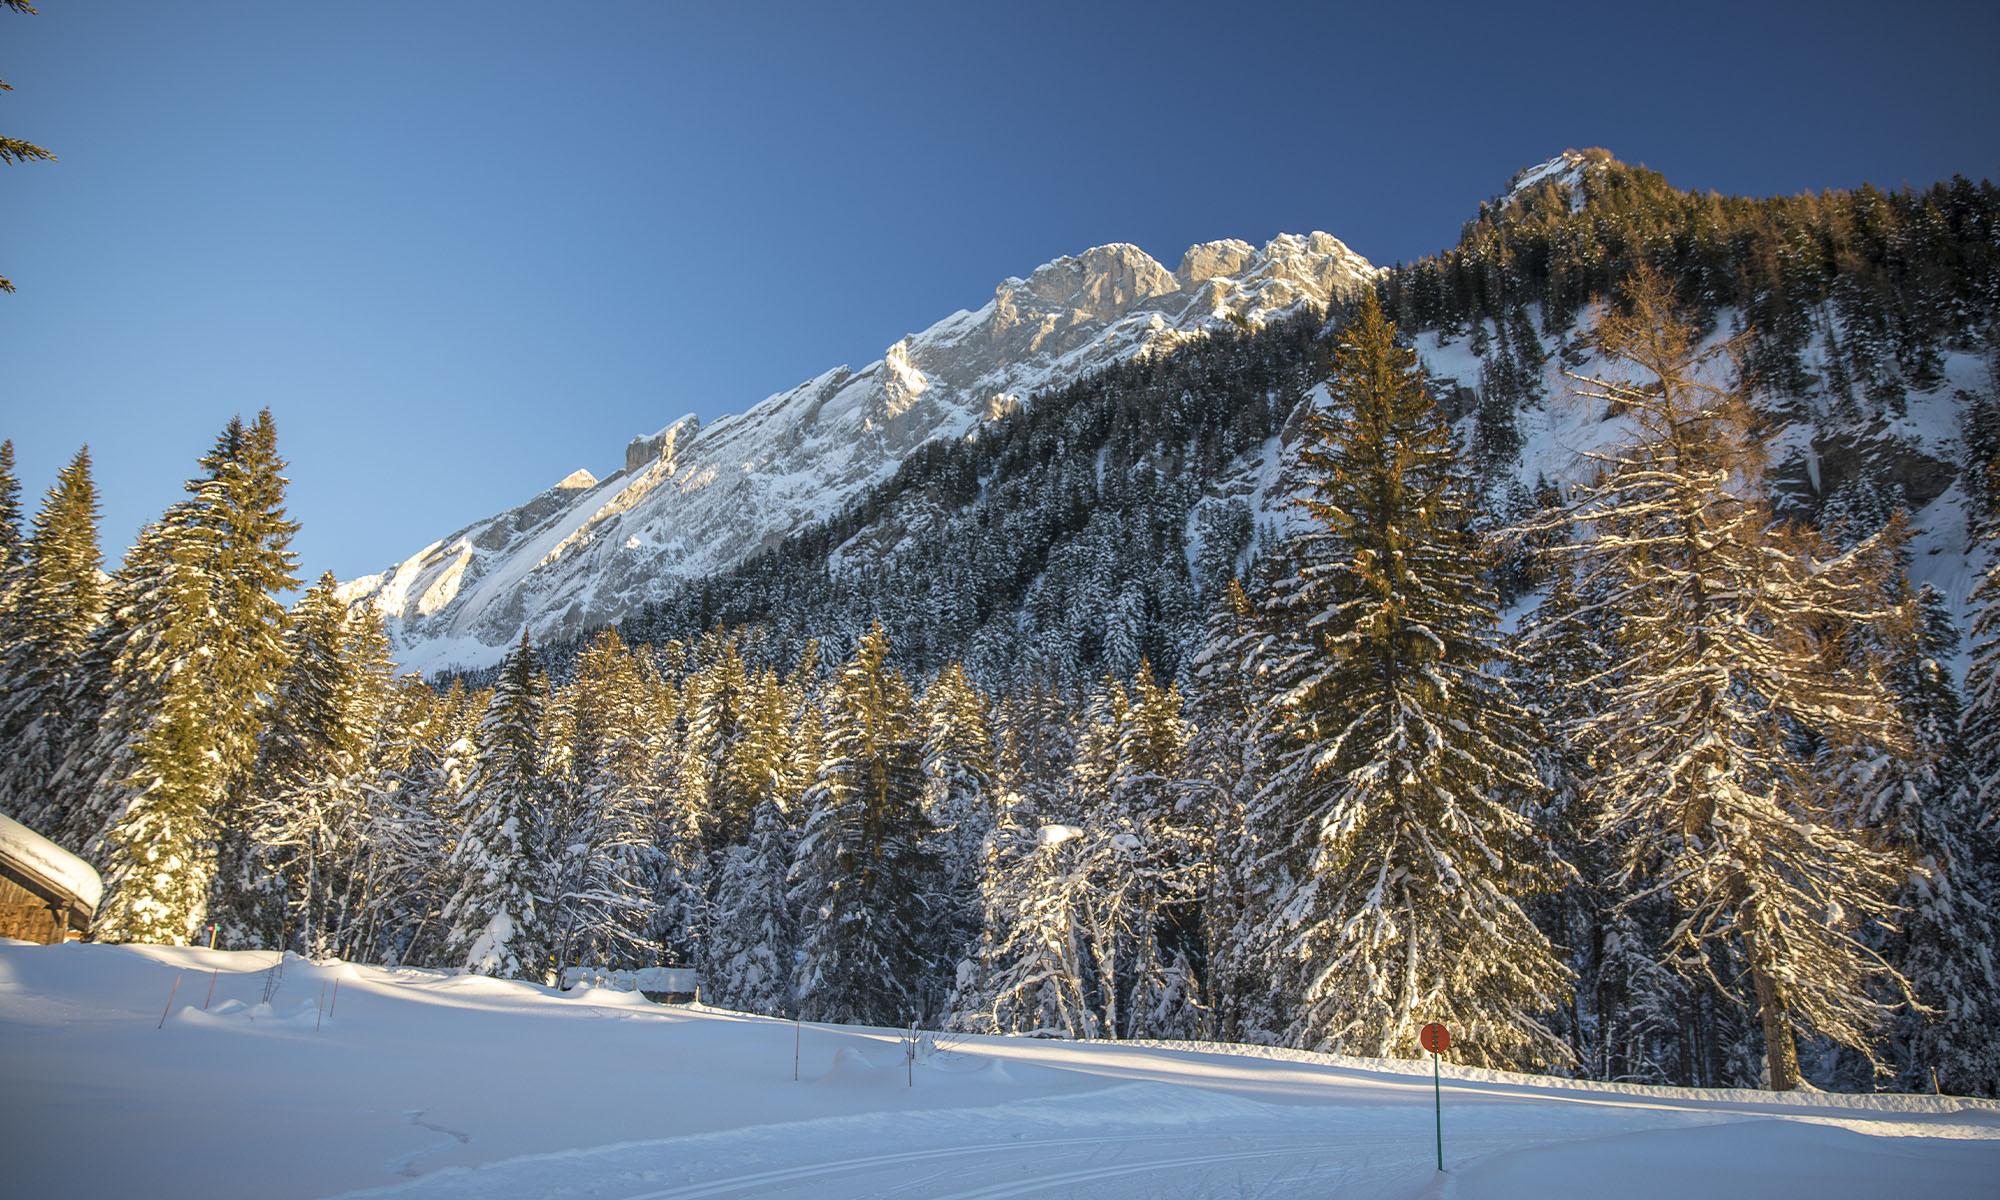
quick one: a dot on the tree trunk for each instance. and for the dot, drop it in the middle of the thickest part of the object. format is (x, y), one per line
(1781, 1051)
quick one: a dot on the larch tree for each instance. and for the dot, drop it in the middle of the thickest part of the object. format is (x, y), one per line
(1729, 724)
(1397, 852)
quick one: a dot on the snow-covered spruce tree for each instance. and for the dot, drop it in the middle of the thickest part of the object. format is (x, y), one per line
(1623, 1019)
(50, 601)
(1981, 720)
(1920, 806)
(711, 711)
(1396, 852)
(195, 648)
(680, 821)
(749, 952)
(10, 520)
(1223, 774)
(1033, 962)
(292, 843)
(495, 917)
(605, 897)
(864, 877)
(1726, 726)
(415, 809)
(1150, 888)
(958, 802)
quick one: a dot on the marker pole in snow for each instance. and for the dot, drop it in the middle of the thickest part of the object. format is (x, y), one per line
(798, 1033)
(1436, 1039)
(211, 988)
(322, 1008)
(910, 1057)
(336, 996)
(170, 1003)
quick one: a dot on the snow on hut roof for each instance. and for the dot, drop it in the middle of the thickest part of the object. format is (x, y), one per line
(31, 851)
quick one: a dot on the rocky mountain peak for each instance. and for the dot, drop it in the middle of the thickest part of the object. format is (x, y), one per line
(1566, 170)
(694, 499)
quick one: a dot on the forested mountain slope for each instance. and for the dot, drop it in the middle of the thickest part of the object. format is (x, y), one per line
(1093, 528)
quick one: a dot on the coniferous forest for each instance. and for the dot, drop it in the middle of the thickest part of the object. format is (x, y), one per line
(1665, 776)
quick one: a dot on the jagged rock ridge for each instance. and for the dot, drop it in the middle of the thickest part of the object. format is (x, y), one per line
(694, 499)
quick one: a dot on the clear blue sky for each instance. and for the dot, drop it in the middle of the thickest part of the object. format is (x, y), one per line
(463, 248)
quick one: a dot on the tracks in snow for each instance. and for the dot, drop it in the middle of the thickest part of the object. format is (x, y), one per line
(761, 1182)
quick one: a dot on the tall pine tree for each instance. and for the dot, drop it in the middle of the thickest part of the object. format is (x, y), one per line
(194, 653)
(495, 919)
(864, 876)
(1397, 853)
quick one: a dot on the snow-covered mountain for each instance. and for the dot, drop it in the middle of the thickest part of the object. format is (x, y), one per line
(694, 499)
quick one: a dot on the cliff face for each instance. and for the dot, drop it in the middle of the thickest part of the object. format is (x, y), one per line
(693, 499)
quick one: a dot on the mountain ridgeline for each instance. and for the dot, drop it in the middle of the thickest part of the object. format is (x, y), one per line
(695, 499)
(1096, 524)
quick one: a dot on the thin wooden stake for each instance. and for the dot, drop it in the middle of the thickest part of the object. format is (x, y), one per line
(798, 1033)
(211, 988)
(322, 1008)
(336, 998)
(170, 1003)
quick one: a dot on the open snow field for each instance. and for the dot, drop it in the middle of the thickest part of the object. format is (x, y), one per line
(422, 1086)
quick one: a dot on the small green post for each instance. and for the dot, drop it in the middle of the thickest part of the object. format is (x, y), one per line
(1437, 1099)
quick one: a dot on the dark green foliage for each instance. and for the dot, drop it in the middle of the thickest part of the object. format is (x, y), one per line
(1390, 830)
(50, 600)
(865, 879)
(496, 915)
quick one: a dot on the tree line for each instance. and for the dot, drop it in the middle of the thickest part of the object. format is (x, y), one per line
(1712, 815)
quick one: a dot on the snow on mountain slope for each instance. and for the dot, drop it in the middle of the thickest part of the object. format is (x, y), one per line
(426, 1086)
(1566, 170)
(1812, 445)
(694, 499)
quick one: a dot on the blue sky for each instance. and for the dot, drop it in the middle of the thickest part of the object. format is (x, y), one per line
(461, 249)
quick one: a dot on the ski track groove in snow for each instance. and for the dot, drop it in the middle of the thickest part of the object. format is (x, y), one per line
(1097, 1174)
(406, 1164)
(717, 1187)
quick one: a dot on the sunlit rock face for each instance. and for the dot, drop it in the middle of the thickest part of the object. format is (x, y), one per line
(693, 499)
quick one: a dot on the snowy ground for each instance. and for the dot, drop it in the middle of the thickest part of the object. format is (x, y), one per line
(442, 1088)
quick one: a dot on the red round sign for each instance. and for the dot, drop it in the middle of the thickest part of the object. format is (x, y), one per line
(1434, 1038)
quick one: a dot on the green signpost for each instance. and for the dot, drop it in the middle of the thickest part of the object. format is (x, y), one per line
(1436, 1039)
